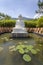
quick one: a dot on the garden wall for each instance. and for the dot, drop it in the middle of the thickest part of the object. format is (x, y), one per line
(9, 29)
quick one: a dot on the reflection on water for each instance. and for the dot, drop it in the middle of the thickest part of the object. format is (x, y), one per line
(7, 58)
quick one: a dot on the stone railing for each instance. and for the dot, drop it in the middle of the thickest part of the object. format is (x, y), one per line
(5, 29)
(9, 29)
(35, 30)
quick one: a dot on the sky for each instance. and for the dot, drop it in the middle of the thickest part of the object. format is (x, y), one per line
(14, 8)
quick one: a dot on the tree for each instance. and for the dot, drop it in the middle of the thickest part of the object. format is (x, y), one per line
(7, 17)
(2, 14)
(40, 22)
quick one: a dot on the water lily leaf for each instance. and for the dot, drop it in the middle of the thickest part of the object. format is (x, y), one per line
(20, 47)
(11, 47)
(13, 50)
(38, 49)
(26, 57)
(21, 51)
(29, 47)
(26, 50)
(40, 45)
(5, 39)
(23, 46)
(33, 51)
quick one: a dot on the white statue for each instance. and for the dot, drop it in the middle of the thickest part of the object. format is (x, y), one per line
(20, 23)
(19, 29)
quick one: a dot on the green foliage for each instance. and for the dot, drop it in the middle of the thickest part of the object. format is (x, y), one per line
(7, 23)
(2, 14)
(5, 16)
(34, 23)
(40, 22)
(30, 24)
(40, 4)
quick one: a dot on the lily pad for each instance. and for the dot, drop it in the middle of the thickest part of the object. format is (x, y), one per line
(26, 57)
(26, 50)
(29, 47)
(20, 47)
(5, 39)
(40, 45)
(23, 46)
(11, 47)
(38, 49)
(33, 51)
(21, 51)
(13, 50)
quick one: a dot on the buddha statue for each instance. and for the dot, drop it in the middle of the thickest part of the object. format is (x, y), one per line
(19, 30)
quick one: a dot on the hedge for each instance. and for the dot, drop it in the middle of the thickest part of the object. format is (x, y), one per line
(30, 24)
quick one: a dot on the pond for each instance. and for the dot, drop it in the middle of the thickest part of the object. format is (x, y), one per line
(8, 57)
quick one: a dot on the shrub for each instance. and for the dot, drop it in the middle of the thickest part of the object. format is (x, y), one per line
(30, 24)
(7, 23)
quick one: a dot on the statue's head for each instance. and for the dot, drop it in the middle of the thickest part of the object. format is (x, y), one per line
(20, 17)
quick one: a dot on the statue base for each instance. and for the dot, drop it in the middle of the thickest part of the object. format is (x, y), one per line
(19, 35)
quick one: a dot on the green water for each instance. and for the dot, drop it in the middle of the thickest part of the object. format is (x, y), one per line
(14, 58)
